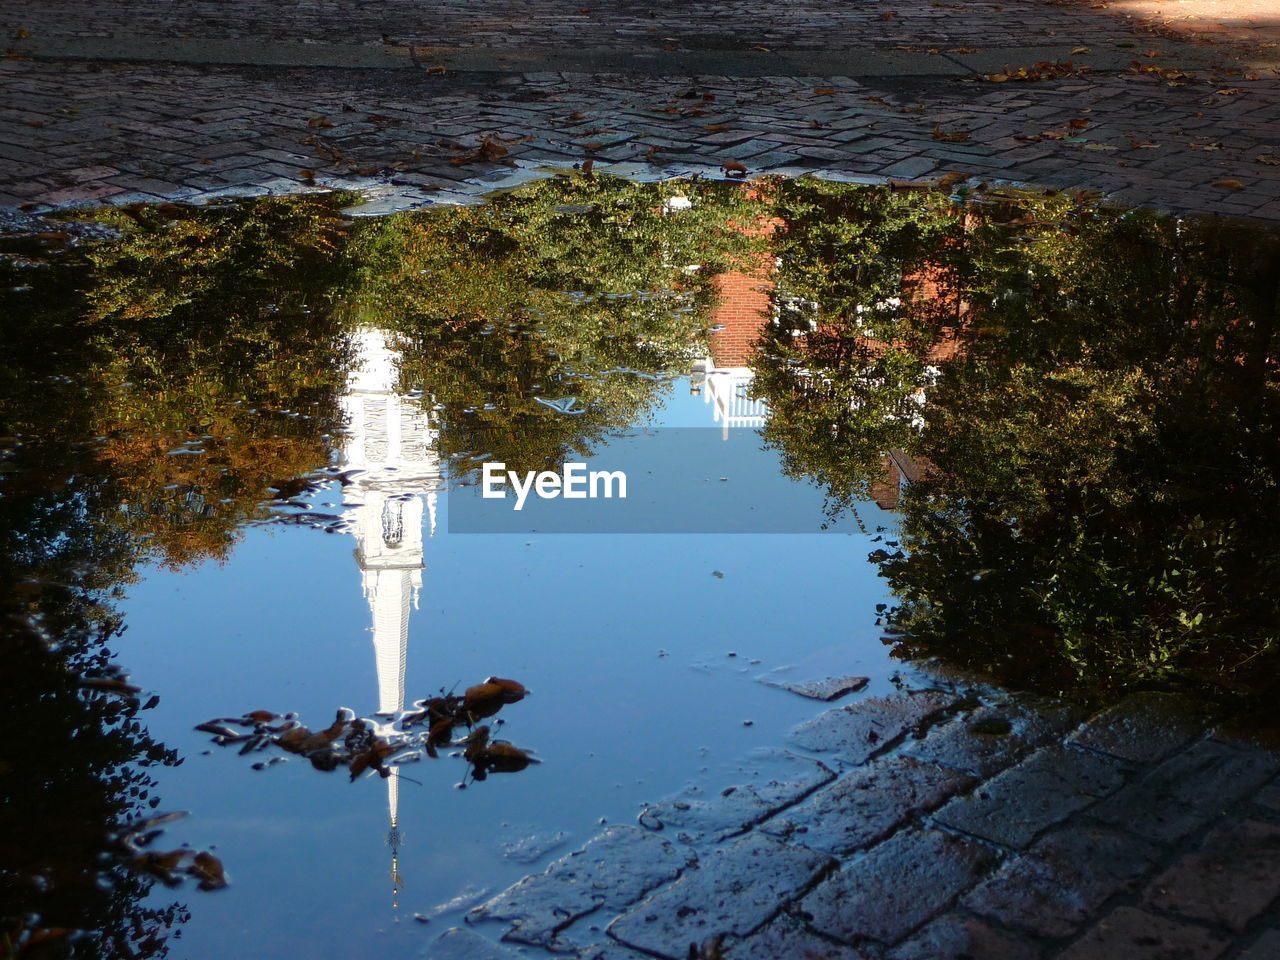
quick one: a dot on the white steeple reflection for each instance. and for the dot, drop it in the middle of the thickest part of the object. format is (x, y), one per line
(390, 447)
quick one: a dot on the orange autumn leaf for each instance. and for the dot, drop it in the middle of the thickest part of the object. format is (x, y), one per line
(1228, 184)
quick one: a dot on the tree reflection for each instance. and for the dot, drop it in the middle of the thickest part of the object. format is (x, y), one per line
(151, 386)
(591, 290)
(1099, 501)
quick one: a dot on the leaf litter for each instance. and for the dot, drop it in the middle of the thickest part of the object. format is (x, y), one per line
(361, 746)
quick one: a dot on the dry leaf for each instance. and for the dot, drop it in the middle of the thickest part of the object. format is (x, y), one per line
(948, 137)
(1270, 159)
(732, 167)
(319, 121)
(586, 168)
(714, 127)
(1080, 50)
(825, 91)
(1228, 184)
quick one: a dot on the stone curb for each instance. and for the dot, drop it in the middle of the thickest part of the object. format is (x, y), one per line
(853, 62)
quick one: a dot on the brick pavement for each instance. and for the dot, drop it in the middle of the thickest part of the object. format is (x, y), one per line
(193, 99)
(946, 823)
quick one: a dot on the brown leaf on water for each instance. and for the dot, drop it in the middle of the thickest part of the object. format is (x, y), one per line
(293, 738)
(1229, 92)
(208, 870)
(1228, 184)
(825, 91)
(502, 756)
(1078, 123)
(1077, 50)
(319, 120)
(308, 177)
(1270, 159)
(762, 49)
(593, 146)
(586, 169)
(948, 137)
(512, 690)
(715, 127)
(733, 168)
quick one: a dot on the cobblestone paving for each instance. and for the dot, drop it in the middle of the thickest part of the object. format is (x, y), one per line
(75, 132)
(731, 24)
(938, 824)
(189, 99)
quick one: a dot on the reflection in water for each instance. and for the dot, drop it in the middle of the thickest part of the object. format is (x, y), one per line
(389, 447)
(1095, 500)
(1073, 410)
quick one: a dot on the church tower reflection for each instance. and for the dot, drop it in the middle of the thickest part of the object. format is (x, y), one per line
(390, 449)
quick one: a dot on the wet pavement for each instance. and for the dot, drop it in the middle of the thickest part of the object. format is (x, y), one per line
(187, 101)
(937, 824)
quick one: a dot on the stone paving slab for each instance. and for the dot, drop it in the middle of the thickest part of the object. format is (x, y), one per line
(765, 783)
(1136, 935)
(1043, 790)
(1055, 887)
(1230, 881)
(735, 891)
(787, 937)
(866, 805)
(896, 887)
(1188, 790)
(831, 688)
(611, 872)
(957, 937)
(856, 732)
(1144, 727)
(993, 737)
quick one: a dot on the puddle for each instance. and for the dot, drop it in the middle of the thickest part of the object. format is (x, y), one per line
(243, 453)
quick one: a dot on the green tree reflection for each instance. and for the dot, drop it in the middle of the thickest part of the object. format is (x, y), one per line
(591, 289)
(1099, 504)
(151, 386)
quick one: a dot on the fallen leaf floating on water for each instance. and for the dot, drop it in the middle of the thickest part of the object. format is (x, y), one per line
(171, 866)
(1228, 184)
(587, 166)
(1270, 159)
(362, 745)
(825, 91)
(319, 121)
(733, 168)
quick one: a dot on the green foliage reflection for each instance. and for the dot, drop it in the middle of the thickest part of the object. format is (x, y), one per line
(1099, 505)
